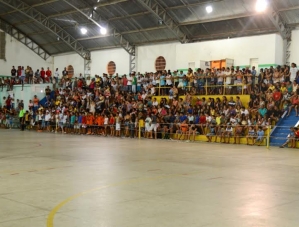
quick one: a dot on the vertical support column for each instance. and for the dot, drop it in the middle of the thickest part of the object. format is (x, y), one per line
(132, 65)
(87, 65)
(288, 50)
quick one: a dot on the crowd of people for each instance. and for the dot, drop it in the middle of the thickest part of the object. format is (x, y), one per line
(128, 106)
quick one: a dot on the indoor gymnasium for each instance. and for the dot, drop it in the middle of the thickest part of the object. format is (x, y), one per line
(149, 113)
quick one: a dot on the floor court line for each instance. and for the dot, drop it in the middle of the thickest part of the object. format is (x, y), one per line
(51, 216)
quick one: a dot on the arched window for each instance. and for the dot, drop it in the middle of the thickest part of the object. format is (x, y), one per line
(70, 71)
(111, 68)
(160, 63)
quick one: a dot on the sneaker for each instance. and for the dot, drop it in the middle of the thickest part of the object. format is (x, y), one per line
(187, 141)
(281, 146)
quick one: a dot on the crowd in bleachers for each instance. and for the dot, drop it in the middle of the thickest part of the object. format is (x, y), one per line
(127, 105)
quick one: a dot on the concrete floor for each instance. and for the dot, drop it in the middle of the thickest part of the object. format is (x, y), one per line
(75, 181)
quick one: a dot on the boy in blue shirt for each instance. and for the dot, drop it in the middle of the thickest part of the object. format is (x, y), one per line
(260, 136)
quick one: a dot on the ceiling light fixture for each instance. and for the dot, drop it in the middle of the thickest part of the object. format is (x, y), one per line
(209, 9)
(261, 5)
(103, 31)
(83, 31)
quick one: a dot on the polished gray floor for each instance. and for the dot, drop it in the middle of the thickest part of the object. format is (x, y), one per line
(71, 181)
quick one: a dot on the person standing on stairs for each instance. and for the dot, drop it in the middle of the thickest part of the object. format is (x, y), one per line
(291, 138)
(295, 103)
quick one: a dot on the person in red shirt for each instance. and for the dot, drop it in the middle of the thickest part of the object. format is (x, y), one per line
(48, 75)
(111, 123)
(277, 96)
(8, 103)
(84, 122)
(202, 122)
(295, 104)
(43, 74)
(125, 83)
(80, 83)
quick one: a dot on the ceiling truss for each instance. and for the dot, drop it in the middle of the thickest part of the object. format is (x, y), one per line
(21, 37)
(50, 25)
(121, 40)
(163, 17)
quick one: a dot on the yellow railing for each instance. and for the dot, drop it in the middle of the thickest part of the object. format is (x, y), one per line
(236, 89)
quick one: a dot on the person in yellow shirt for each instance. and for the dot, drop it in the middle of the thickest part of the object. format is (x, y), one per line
(271, 87)
(283, 88)
(190, 77)
(141, 125)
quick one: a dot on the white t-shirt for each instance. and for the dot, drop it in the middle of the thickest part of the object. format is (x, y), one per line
(228, 78)
(47, 117)
(245, 112)
(293, 72)
(129, 80)
(168, 80)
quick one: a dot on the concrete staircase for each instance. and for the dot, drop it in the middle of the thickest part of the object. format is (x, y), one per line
(282, 129)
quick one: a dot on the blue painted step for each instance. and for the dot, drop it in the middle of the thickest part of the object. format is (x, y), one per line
(282, 130)
(44, 100)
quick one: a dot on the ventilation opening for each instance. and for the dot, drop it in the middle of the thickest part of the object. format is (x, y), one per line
(111, 68)
(70, 71)
(160, 63)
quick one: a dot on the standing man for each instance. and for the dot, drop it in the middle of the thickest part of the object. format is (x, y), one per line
(21, 117)
(129, 83)
(134, 83)
(13, 73)
(64, 73)
(43, 74)
(49, 75)
(253, 73)
(22, 76)
(56, 76)
(293, 71)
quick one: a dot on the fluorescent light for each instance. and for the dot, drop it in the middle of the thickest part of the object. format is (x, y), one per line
(261, 5)
(209, 9)
(83, 31)
(103, 31)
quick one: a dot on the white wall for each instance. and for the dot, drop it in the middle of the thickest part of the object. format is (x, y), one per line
(100, 60)
(17, 54)
(28, 92)
(295, 47)
(61, 61)
(264, 47)
(280, 54)
(147, 55)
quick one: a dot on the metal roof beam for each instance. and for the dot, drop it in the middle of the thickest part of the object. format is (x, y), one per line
(98, 5)
(37, 16)
(122, 41)
(21, 37)
(217, 19)
(288, 9)
(279, 24)
(34, 5)
(161, 14)
(123, 33)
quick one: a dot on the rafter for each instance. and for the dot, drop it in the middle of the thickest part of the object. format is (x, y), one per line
(34, 5)
(278, 22)
(37, 16)
(122, 41)
(21, 37)
(161, 14)
(123, 33)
